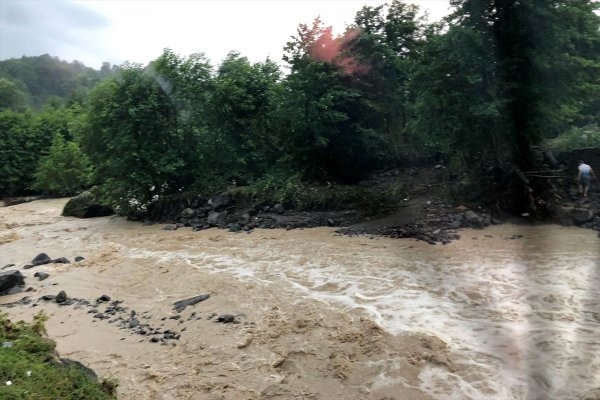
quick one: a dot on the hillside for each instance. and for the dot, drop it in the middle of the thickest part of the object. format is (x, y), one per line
(32, 81)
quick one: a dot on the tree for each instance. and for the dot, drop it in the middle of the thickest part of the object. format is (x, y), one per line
(188, 84)
(320, 112)
(64, 171)
(546, 60)
(25, 138)
(388, 45)
(11, 97)
(241, 107)
(132, 139)
(456, 109)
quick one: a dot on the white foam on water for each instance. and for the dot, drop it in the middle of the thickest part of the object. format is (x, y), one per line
(520, 325)
(441, 384)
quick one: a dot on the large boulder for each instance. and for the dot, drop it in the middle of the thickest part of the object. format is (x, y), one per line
(575, 215)
(86, 205)
(10, 280)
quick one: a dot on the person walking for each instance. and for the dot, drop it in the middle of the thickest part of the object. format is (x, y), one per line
(584, 176)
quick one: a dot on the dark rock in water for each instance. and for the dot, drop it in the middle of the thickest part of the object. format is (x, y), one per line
(41, 259)
(65, 362)
(28, 266)
(61, 297)
(7, 266)
(10, 280)
(575, 215)
(48, 297)
(41, 275)
(86, 205)
(226, 318)
(102, 299)
(133, 322)
(79, 258)
(170, 228)
(61, 260)
(182, 304)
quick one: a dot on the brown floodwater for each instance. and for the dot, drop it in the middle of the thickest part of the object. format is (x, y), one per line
(509, 312)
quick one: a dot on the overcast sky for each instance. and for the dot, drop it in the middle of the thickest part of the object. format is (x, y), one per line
(93, 31)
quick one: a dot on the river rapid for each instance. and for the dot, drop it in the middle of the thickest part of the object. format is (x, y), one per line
(509, 312)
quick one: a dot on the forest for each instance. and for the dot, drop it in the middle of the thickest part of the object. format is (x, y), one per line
(478, 92)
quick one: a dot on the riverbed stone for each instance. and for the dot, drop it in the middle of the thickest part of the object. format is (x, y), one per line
(220, 201)
(226, 318)
(182, 304)
(188, 213)
(575, 215)
(41, 275)
(213, 218)
(10, 280)
(61, 297)
(41, 259)
(86, 205)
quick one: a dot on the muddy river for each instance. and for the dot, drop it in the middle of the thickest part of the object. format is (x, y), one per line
(509, 312)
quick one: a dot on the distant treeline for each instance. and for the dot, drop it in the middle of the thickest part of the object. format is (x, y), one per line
(31, 82)
(479, 89)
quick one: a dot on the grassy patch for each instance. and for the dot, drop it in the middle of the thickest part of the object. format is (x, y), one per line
(31, 370)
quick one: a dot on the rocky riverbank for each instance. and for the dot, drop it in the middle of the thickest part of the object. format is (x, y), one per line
(425, 211)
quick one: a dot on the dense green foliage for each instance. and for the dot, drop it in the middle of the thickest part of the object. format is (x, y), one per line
(483, 86)
(29, 368)
(25, 138)
(132, 138)
(64, 171)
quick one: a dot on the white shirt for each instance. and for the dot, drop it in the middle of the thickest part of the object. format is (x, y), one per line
(585, 169)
